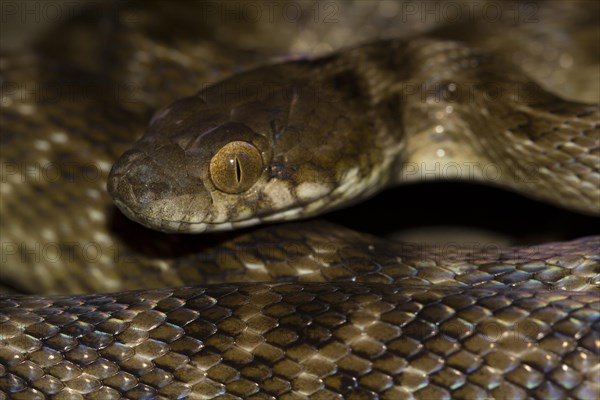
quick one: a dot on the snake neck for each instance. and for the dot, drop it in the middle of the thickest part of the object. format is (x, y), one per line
(466, 115)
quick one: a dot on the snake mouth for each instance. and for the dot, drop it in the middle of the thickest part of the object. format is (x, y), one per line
(161, 224)
(176, 226)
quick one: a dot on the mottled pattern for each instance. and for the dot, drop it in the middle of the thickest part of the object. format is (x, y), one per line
(304, 310)
(324, 340)
(335, 130)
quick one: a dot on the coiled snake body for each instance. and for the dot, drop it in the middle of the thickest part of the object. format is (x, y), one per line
(305, 309)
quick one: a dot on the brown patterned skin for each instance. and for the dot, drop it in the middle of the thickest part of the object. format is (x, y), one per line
(335, 313)
(363, 318)
(323, 145)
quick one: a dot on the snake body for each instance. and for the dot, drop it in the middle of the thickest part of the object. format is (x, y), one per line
(304, 309)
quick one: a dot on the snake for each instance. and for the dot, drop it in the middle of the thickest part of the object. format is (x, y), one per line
(234, 297)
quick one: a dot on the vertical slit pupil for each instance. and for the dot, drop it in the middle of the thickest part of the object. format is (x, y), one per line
(238, 170)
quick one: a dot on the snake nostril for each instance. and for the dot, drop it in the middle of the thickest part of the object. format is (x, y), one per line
(146, 193)
(146, 196)
(147, 184)
(137, 182)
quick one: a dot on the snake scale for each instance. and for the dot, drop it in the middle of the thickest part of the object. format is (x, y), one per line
(300, 309)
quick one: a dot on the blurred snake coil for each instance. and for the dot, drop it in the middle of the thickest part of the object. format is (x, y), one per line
(114, 105)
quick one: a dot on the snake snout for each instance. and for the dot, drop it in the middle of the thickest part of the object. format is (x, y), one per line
(155, 195)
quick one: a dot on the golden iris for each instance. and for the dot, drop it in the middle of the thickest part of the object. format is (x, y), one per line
(236, 167)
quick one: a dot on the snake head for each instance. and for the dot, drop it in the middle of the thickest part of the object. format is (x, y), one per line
(268, 145)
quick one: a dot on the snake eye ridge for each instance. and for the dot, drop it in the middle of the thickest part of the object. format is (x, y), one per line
(236, 167)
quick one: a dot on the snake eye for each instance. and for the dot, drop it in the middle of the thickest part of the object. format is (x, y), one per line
(236, 167)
